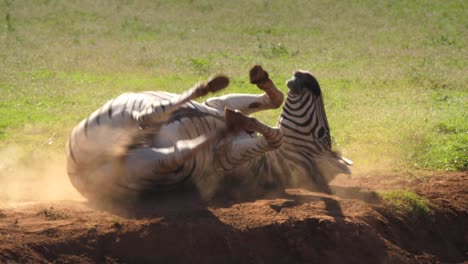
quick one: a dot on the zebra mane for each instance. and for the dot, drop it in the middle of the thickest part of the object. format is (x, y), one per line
(311, 83)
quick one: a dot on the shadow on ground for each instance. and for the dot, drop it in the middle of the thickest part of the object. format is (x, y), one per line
(296, 226)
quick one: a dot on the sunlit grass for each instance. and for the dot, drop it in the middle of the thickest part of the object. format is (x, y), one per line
(407, 202)
(394, 74)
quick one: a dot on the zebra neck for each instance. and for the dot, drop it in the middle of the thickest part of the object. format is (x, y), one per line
(271, 168)
(304, 123)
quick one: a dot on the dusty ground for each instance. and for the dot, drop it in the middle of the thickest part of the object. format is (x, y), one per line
(352, 226)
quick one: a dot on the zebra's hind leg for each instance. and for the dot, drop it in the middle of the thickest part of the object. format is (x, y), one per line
(147, 166)
(168, 159)
(159, 111)
(235, 153)
(251, 103)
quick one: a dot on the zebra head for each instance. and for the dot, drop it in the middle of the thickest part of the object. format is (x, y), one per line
(306, 131)
(303, 81)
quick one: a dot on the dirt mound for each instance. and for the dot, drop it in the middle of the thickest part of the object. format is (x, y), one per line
(299, 226)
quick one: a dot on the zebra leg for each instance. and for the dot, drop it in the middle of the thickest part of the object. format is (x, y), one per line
(260, 77)
(146, 166)
(159, 111)
(235, 153)
(249, 103)
(147, 161)
(168, 159)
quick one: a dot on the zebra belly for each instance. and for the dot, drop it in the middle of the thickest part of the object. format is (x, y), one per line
(186, 128)
(100, 147)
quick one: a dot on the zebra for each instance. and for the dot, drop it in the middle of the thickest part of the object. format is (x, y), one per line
(139, 142)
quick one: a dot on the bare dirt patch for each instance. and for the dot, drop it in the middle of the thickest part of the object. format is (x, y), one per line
(299, 226)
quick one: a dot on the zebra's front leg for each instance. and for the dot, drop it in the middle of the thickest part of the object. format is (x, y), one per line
(251, 103)
(233, 154)
(260, 77)
(158, 112)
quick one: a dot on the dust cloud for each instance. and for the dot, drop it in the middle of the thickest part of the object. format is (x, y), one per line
(26, 179)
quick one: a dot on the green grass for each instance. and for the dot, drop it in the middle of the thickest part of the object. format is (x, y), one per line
(394, 73)
(407, 202)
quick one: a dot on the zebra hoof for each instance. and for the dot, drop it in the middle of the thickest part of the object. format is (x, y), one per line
(218, 83)
(236, 121)
(258, 75)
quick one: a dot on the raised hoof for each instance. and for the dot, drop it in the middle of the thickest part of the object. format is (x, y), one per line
(236, 121)
(258, 75)
(217, 83)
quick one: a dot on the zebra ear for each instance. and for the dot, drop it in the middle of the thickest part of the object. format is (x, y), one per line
(311, 84)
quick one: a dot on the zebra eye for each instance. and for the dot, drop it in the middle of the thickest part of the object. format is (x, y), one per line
(321, 132)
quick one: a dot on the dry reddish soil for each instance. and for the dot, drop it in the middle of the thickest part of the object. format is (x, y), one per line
(299, 226)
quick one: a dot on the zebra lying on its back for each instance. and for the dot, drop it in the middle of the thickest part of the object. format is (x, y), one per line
(138, 142)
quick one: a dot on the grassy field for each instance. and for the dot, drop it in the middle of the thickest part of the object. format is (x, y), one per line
(394, 73)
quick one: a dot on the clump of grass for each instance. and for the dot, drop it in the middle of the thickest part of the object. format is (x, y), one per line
(92, 229)
(8, 22)
(407, 202)
(276, 50)
(116, 223)
(51, 214)
(200, 65)
(9, 25)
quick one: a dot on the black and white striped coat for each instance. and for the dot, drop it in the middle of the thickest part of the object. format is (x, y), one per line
(139, 142)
